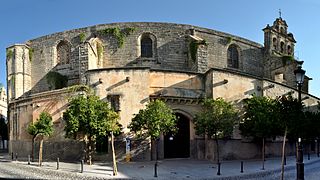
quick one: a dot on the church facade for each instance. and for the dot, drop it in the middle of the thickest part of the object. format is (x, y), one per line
(129, 64)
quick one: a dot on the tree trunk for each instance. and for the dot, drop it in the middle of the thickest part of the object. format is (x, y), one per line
(90, 150)
(40, 151)
(283, 153)
(217, 144)
(32, 149)
(263, 151)
(114, 162)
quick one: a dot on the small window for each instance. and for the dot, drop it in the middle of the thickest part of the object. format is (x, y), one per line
(233, 57)
(274, 43)
(146, 47)
(114, 101)
(289, 50)
(282, 47)
(63, 53)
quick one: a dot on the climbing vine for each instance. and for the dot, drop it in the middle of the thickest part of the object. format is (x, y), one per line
(31, 51)
(118, 33)
(287, 58)
(82, 37)
(13, 78)
(229, 39)
(56, 80)
(193, 46)
(99, 50)
(9, 53)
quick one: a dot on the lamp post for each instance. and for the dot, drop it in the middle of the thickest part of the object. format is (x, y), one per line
(299, 73)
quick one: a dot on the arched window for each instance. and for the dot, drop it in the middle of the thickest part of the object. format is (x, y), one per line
(146, 47)
(289, 50)
(282, 47)
(63, 53)
(274, 43)
(233, 56)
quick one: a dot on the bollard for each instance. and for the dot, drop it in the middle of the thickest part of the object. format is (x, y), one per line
(218, 173)
(16, 156)
(57, 163)
(81, 166)
(12, 156)
(156, 169)
(28, 159)
(308, 156)
(241, 167)
(285, 160)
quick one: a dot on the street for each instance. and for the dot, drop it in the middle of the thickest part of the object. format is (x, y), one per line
(167, 169)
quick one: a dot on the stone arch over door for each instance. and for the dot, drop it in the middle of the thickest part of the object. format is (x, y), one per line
(178, 145)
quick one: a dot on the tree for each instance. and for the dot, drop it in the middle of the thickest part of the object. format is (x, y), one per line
(89, 117)
(261, 120)
(157, 118)
(42, 127)
(290, 114)
(216, 120)
(3, 129)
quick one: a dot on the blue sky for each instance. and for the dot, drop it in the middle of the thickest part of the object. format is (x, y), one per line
(22, 20)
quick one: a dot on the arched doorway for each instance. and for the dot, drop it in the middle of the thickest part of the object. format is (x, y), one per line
(178, 145)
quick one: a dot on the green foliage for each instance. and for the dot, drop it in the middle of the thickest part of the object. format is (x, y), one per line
(157, 118)
(193, 46)
(88, 115)
(31, 51)
(117, 33)
(56, 80)
(9, 53)
(13, 79)
(99, 50)
(3, 128)
(229, 39)
(216, 119)
(82, 37)
(287, 58)
(43, 125)
(261, 118)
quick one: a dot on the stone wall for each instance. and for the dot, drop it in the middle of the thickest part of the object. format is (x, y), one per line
(171, 51)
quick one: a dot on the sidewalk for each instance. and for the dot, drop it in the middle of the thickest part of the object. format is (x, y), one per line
(175, 168)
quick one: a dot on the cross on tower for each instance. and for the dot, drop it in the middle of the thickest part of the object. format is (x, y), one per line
(280, 13)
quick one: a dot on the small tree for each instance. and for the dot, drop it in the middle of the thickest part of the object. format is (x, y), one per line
(42, 127)
(157, 118)
(3, 129)
(89, 116)
(261, 120)
(216, 120)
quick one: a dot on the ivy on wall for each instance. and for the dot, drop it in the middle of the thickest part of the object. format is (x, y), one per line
(287, 58)
(193, 46)
(118, 33)
(82, 37)
(31, 51)
(9, 53)
(13, 79)
(229, 39)
(99, 50)
(56, 80)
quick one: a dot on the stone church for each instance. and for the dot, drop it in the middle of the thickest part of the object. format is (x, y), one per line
(129, 64)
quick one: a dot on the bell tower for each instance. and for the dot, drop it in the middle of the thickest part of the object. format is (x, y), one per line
(277, 40)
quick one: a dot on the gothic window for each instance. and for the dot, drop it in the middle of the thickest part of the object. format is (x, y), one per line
(63, 53)
(282, 47)
(114, 101)
(274, 43)
(289, 50)
(233, 57)
(146, 47)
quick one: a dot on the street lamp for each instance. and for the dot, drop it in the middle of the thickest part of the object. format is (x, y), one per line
(299, 73)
